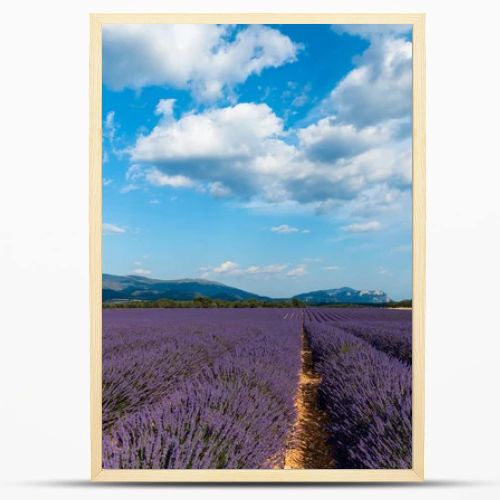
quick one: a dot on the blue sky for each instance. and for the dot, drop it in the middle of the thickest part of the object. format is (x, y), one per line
(276, 158)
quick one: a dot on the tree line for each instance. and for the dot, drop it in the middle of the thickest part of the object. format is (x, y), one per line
(206, 302)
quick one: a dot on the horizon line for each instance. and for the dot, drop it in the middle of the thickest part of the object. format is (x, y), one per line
(247, 291)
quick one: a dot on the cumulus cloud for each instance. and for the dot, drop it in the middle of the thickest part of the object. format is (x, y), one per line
(362, 227)
(231, 268)
(236, 149)
(276, 271)
(265, 271)
(378, 89)
(140, 272)
(137, 174)
(208, 59)
(242, 151)
(297, 271)
(158, 178)
(380, 199)
(329, 140)
(110, 229)
(284, 229)
(226, 134)
(226, 267)
(355, 156)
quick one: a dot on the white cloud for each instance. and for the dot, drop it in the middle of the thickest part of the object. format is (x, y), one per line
(226, 267)
(218, 190)
(378, 89)
(328, 140)
(109, 132)
(106, 182)
(134, 173)
(377, 200)
(362, 227)
(326, 206)
(208, 59)
(297, 271)
(141, 272)
(355, 158)
(158, 178)
(165, 108)
(233, 269)
(234, 150)
(284, 229)
(274, 268)
(109, 126)
(331, 268)
(369, 31)
(110, 229)
(264, 271)
(241, 151)
(225, 134)
(137, 174)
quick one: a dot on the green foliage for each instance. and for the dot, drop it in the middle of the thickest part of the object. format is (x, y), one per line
(201, 302)
(401, 303)
(206, 302)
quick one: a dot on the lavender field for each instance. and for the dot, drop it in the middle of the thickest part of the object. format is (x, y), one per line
(222, 388)
(364, 359)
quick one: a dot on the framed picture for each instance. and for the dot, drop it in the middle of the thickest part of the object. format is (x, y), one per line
(257, 247)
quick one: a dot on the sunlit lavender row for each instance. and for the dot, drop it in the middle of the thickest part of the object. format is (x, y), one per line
(388, 330)
(366, 392)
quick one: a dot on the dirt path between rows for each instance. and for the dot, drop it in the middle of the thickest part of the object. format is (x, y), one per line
(307, 447)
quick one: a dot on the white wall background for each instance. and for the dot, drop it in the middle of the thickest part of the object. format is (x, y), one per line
(44, 416)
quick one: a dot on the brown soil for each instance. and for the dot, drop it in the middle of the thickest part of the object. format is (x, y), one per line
(307, 447)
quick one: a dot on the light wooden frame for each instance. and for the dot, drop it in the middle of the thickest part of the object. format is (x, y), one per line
(229, 475)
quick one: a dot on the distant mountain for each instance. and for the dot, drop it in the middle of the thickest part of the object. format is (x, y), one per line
(142, 288)
(344, 295)
(125, 288)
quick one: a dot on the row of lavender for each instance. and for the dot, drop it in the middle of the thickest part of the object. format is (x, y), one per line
(198, 388)
(388, 330)
(364, 359)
